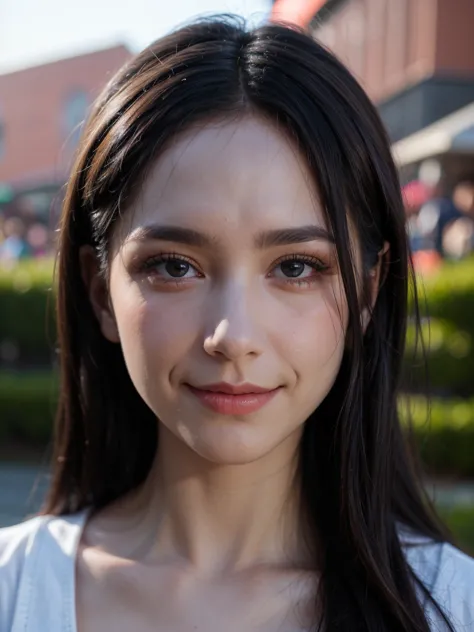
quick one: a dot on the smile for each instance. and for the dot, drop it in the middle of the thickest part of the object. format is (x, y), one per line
(227, 399)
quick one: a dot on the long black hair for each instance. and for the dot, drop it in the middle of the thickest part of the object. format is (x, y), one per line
(358, 482)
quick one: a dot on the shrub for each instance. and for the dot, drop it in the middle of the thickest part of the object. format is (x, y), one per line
(460, 520)
(449, 294)
(448, 299)
(450, 358)
(27, 405)
(443, 433)
(26, 313)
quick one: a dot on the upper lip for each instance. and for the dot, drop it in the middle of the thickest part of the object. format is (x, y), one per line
(233, 389)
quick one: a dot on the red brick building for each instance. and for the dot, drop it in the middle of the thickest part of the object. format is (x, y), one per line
(41, 111)
(415, 58)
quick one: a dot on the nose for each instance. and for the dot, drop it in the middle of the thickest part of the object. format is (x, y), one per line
(234, 333)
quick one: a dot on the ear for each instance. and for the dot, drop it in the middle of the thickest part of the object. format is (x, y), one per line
(97, 290)
(377, 276)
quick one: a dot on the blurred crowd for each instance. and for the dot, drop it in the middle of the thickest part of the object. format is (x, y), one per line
(440, 226)
(27, 228)
(20, 239)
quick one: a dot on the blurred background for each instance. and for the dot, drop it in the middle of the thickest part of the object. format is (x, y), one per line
(415, 58)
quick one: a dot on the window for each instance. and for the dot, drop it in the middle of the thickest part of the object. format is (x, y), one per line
(75, 111)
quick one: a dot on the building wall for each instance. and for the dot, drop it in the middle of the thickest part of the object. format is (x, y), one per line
(415, 58)
(385, 43)
(41, 109)
(455, 37)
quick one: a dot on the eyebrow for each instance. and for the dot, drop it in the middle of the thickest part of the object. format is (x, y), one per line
(287, 236)
(176, 234)
(264, 239)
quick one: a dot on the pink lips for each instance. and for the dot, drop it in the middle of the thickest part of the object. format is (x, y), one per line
(228, 399)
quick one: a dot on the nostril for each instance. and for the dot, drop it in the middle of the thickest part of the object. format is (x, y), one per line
(211, 343)
(231, 343)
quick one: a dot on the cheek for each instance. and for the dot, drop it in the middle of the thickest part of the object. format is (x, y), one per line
(315, 327)
(155, 332)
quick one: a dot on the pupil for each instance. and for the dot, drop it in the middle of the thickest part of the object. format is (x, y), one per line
(292, 268)
(177, 268)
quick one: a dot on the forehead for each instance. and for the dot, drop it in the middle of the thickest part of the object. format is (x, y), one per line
(229, 176)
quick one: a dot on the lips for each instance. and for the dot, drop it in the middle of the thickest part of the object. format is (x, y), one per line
(231, 389)
(230, 399)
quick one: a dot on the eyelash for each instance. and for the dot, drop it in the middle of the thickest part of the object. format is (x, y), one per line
(146, 267)
(317, 264)
(151, 262)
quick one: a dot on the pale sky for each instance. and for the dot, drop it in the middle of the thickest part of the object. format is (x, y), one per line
(36, 31)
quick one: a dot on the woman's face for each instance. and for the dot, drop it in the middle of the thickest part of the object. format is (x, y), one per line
(223, 276)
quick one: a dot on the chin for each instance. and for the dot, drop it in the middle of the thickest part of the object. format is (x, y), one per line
(226, 446)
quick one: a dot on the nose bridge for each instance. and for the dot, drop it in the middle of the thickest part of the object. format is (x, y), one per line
(237, 303)
(233, 330)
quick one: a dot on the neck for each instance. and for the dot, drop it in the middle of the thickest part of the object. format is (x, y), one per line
(217, 516)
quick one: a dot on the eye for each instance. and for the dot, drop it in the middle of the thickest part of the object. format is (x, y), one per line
(170, 267)
(298, 267)
(175, 268)
(294, 268)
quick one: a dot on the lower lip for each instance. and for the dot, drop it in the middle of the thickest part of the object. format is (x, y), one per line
(227, 404)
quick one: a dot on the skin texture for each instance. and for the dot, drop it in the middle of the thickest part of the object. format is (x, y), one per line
(212, 541)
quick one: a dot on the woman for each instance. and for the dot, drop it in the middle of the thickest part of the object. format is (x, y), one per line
(232, 306)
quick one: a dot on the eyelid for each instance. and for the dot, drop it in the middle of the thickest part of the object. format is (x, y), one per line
(304, 258)
(143, 264)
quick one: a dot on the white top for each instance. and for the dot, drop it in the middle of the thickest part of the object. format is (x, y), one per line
(37, 576)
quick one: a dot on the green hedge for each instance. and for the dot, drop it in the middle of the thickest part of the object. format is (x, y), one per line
(27, 328)
(460, 520)
(443, 432)
(449, 293)
(27, 406)
(27, 324)
(448, 299)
